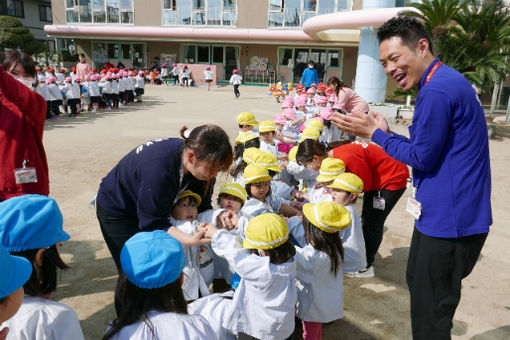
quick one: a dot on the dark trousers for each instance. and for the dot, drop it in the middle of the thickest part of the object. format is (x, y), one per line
(236, 90)
(73, 104)
(435, 269)
(372, 219)
(116, 231)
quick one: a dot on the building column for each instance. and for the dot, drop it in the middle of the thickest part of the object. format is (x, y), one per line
(370, 81)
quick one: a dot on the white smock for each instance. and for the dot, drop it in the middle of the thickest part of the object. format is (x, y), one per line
(253, 207)
(263, 306)
(42, 319)
(273, 148)
(317, 195)
(168, 326)
(355, 257)
(320, 292)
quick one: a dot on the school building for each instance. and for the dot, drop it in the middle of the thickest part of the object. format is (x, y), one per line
(264, 39)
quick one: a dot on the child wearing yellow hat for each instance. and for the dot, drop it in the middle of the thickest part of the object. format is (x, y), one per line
(267, 130)
(305, 177)
(258, 186)
(246, 122)
(330, 168)
(263, 305)
(309, 133)
(345, 190)
(244, 141)
(319, 267)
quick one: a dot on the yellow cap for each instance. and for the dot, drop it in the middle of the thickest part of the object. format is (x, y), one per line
(255, 173)
(330, 169)
(349, 182)
(314, 124)
(293, 153)
(246, 118)
(259, 157)
(245, 136)
(309, 133)
(234, 189)
(187, 193)
(328, 216)
(266, 231)
(267, 126)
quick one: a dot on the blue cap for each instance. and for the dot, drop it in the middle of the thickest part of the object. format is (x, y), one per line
(15, 272)
(30, 222)
(152, 259)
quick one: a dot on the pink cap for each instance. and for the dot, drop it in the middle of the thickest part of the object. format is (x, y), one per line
(301, 101)
(130, 73)
(326, 113)
(140, 73)
(163, 65)
(311, 90)
(77, 79)
(235, 71)
(279, 119)
(96, 76)
(321, 100)
(287, 105)
(338, 106)
(175, 64)
(289, 113)
(288, 99)
(69, 79)
(52, 79)
(108, 77)
(301, 128)
(124, 74)
(208, 68)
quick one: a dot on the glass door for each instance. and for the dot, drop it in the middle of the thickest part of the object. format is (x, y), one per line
(231, 61)
(301, 56)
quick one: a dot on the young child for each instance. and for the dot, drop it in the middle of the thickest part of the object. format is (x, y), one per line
(95, 95)
(244, 141)
(130, 87)
(330, 133)
(139, 86)
(15, 273)
(246, 122)
(199, 269)
(267, 130)
(164, 75)
(31, 227)
(208, 74)
(258, 186)
(345, 190)
(319, 267)
(330, 169)
(236, 80)
(115, 91)
(106, 91)
(55, 96)
(72, 93)
(309, 133)
(42, 89)
(153, 305)
(175, 74)
(263, 305)
(185, 76)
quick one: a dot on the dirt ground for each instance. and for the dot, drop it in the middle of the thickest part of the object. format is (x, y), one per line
(82, 150)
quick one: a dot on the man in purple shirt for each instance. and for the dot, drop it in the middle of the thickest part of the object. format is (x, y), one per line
(449, 153)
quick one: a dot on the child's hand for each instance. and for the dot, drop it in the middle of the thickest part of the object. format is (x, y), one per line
(228, 220)
(298, 195)
(208, 229)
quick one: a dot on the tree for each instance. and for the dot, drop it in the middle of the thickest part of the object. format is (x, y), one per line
(13, 35)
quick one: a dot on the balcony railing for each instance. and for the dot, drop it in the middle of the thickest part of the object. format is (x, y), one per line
(210, 16)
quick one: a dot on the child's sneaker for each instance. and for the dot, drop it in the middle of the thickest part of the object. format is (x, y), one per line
(361, 274)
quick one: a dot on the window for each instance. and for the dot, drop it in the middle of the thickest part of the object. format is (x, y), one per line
(113, 51)
(203, 54)
(217, 54)
(199, 12)
(100, 11)
(45, 13)
(293, 13)
(188, 55)
(15, 8)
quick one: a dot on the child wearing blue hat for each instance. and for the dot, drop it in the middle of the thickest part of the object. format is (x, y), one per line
(152, 301)
(15, 272)
(31, 227)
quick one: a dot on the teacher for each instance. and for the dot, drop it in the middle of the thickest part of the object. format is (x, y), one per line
(309, 76)
(449, 152)
(139, 192)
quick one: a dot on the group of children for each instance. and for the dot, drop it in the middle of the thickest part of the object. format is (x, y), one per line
(108, 89)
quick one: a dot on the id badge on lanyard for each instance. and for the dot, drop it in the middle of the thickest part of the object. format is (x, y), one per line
(25, 174)
(379, 203)
(413, 206)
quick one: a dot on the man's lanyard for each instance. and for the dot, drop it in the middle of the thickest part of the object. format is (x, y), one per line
(431, 73)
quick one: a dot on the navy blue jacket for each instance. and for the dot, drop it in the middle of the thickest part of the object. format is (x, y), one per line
(309, 77)
(448, 150)
(145, 184)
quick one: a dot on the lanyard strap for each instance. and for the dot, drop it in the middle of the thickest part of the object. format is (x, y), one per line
(431, 73)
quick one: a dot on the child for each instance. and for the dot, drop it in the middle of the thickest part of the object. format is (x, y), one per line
(42, 89)
(330, 133)
(184, 75)
(61, 75)
(72, 92)
(263, 305)
(139, 86)
(246, 122)
(153, 304)
(236, 80)
(309, 133)
(345, 190)
(315, 123)
(55, 96)
(258, 186)
(306, 177)
(330, 168)
(164, 75)
(31, 227)
(16, 271)
(199, 269)
(267, 131)
(122, 88)
(319, 267)
(95, 95)
(175, 74)
(130, 87)
(232, 196)
(208, 77)
(115, 91)
(106, 91)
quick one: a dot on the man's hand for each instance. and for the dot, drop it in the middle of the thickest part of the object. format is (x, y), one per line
(360, 124)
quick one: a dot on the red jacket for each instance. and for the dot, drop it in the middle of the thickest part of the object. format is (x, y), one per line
(22, 115)
(376, 169)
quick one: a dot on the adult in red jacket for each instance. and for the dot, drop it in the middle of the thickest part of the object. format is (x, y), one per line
(384, 182)
(23, 169)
